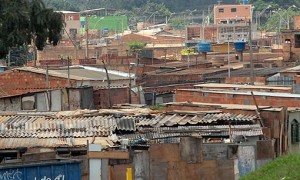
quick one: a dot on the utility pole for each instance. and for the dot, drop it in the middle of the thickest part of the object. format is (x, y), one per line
(47, 76)
(68, 71)
(251, 54)
(165, 51)
(129, 75)
(86, 37)
(228, 56)
(108, 85)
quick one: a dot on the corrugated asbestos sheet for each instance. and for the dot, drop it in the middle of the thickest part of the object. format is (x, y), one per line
(10, 143)
(178, 119)
(42, 127)
(181, 131)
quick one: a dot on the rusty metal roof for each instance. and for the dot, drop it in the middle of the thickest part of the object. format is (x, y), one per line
(184, 119)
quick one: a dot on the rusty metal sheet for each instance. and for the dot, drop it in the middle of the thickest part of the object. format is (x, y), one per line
(267, 132)
(276, 128)
(208, 170)
(190, 149)
(158, 170)
(164, 152)
(119, 171)
(265, 150)
(225, 169)
(183, 170)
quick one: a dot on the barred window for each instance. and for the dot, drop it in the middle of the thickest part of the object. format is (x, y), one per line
(295, 131)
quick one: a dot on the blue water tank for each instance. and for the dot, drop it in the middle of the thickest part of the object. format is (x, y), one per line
(239, 46)
(203, 46)
(245, 2)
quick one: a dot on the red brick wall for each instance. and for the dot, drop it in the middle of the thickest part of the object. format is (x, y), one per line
(158, 79)
(297, 22)
(135, 37)
(206, 97)
(16, 81)
(234, 80)
(297, 79)
(242, 12)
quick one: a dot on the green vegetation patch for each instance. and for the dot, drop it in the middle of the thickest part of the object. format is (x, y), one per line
(283, 168)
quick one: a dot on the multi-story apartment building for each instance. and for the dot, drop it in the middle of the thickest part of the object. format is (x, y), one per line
(72, 20)
(233, 22)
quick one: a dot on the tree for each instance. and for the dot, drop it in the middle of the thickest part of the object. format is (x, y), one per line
(135, 45)
(24, 22)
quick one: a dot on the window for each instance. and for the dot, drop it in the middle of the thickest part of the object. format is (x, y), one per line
(233, 9)
(73, 31)
(297, 40)
(294, 131)
(221, 10)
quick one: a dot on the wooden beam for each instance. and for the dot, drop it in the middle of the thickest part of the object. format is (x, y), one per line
(108, 155)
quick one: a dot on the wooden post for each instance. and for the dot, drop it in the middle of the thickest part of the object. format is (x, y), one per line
(257, 110)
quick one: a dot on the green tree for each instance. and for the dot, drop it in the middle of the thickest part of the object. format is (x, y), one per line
(24, 22)
(135, 45)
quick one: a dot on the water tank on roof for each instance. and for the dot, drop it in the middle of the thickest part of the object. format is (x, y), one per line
(245, 2)
(203, 46)
(239, 46)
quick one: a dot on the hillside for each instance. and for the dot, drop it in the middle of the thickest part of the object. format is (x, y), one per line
(283, 168)
(173, 5)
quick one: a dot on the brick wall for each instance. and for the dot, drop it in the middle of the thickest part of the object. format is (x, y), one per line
(16, 81)
(234, 80)
(152, 80)
(210, 97)
(242, 12)
(55, 53)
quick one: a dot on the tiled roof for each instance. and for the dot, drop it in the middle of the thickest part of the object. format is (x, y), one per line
(178, 119)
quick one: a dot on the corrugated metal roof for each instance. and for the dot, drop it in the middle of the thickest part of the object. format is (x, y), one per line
(256, 93)
(90, 74)
(76, 73)
(178, 119)
(51, 73)
(245, 72)
(240, 86)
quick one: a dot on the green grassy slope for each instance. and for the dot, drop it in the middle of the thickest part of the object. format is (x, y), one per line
(283, 168)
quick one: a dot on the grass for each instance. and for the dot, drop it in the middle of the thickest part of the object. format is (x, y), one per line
(113, 23)
(156, 107)
(283, 168)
